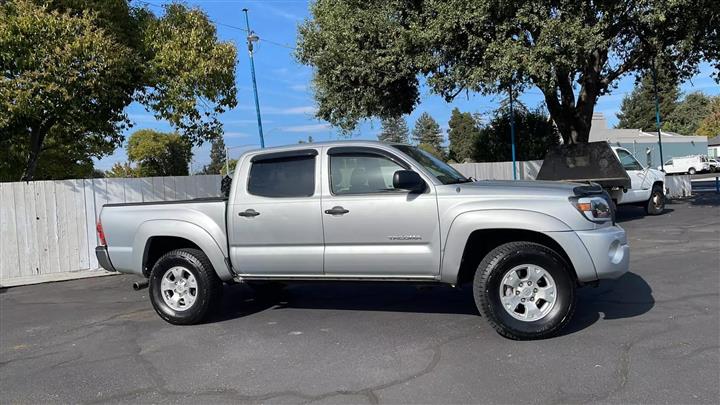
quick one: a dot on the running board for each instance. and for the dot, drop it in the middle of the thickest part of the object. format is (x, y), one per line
(286, 277)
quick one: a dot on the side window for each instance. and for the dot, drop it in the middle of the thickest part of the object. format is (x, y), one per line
(361, 173)
(628, 161)
(283, 177)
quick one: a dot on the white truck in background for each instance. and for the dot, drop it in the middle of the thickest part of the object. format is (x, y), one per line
(687, 164)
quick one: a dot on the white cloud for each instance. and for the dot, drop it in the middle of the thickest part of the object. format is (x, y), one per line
(306, 128)
(306, 109)
(299, 87)
(272, 110)
(234, 134)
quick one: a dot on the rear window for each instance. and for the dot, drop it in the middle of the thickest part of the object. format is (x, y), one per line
(292, 176)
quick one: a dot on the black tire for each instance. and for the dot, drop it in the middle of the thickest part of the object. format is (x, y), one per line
(208, 292)
(692, 171)
(655, 205)
(486, 290)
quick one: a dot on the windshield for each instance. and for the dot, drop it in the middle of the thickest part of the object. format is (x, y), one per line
(441, 170)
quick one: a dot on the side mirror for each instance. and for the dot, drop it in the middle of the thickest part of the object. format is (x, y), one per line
(225, 185)
(408, 180)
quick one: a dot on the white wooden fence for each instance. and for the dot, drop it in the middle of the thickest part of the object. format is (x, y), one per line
(49, 226)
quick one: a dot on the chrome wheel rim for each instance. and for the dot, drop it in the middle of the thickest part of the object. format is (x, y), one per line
(179, 288)
(528, 292)
(657, 200)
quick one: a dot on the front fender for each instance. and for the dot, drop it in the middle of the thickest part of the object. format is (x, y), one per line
(468, 222)
(214, 249)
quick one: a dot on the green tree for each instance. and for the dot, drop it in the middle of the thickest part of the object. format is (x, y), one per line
(394, 130)
(427, 132)
(159, 154)
(534, 135)
(122, 169)
(217, 157)
(368, 56)
(71, 67)
(638, 108)
(685, 119)
(463, 134)
(710, 125)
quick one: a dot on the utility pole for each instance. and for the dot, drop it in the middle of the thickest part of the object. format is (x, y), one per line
(512, 131)
(657, 115)
(250, 39)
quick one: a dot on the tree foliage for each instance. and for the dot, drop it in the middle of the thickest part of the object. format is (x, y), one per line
(710, 125)
(122, 169)
(426, 134)
(394, 130)
(70, 67)
(369, 55)
(638, 108)
(217, 157)
(159, 154)
(685, 119)
(534, 135)
(463, 135)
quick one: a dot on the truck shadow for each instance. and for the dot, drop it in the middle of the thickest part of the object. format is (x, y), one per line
(626, 213)
(627, 297)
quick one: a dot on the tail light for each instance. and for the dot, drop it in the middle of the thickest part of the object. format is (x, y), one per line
(101, 234)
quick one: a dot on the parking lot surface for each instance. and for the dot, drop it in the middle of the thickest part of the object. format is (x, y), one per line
(650, 337)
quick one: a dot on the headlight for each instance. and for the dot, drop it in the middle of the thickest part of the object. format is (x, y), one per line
(595, 209)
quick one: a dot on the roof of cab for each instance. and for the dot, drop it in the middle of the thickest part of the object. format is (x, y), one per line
(300, 146)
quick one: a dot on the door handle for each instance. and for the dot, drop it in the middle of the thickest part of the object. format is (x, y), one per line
(249, 213)
(338, 210)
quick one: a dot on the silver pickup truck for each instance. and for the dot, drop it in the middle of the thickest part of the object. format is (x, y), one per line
(369, 211)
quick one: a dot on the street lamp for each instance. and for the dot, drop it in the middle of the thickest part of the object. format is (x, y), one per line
(252, 37)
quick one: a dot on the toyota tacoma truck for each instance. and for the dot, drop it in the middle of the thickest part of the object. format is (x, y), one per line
(369, 211)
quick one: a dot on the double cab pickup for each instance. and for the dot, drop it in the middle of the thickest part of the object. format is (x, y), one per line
(368, 211)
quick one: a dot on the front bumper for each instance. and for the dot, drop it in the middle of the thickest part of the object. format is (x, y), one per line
(103, 258)
(608, 249)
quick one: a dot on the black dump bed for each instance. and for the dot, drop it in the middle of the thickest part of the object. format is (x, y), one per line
(584, 162)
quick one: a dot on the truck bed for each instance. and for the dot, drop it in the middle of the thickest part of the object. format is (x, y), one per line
(128, 227)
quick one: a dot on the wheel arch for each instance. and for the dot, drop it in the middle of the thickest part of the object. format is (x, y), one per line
(467, 242)
(157, 237)
(480, 242)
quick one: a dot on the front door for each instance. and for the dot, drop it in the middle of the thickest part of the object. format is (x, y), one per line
(371, 229)
(275, 225)
(640, 185)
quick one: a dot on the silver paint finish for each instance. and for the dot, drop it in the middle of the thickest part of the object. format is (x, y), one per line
(395, 235)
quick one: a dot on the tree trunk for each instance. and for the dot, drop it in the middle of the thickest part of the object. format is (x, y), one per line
(572, 120)
(37, 136)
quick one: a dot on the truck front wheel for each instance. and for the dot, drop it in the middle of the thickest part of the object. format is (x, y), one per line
(524, 290)
(184, 288)
(656, 204)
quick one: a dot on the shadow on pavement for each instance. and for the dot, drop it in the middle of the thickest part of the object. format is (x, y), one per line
(708, 199)
(626, 297)
(626, 213)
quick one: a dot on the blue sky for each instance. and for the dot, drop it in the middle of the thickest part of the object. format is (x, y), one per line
(286, 100)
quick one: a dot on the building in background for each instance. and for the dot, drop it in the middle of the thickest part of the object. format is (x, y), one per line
(644, 145)
(714, 147)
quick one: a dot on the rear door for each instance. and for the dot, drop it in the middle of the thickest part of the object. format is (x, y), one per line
(371, 229)
(275, 220)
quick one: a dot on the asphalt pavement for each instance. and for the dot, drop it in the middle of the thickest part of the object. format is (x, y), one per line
(652, 336)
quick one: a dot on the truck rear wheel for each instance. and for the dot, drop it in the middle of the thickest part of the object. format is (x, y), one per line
(524, 290)
(184, 288)
(656, 204)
